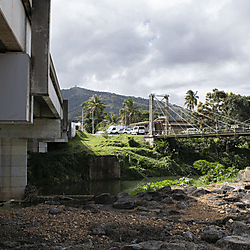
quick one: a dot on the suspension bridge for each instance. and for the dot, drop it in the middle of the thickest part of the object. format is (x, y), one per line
(190, 124)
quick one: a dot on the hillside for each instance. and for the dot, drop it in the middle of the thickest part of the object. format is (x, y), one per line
(76, 96)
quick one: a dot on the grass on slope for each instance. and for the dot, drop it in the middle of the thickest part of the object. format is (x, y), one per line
(138, 159)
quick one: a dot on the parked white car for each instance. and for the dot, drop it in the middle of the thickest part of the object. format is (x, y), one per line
(128, 131)
(121, 131)
(138, 130)
(114, 129)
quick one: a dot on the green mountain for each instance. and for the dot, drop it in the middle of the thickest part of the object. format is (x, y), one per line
(76, 96)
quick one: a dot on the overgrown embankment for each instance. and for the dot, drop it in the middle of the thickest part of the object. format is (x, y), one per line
(70, 162)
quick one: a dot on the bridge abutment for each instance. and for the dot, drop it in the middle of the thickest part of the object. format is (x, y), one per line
(13, 168)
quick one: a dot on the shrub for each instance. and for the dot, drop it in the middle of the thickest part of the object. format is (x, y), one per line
(214, 172)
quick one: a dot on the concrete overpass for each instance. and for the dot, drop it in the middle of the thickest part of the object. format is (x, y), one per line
(32, 111)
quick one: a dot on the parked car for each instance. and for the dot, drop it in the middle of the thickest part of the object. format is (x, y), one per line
(114, 129)
(138, 130)
(121, 131)
(128, 131)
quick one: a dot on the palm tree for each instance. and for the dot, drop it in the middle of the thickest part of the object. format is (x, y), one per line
(95, 106)
(111, 118)
(130, 112)
(191, 99)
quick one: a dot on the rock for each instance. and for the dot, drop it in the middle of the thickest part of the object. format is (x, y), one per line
(234, 242)
(147, 245)
(238, 228)
(154, 204)
(165, 190)
(240, 205)
(123, 194)
(167, 200)
(179, 195)
(232, 199)
(244, 175)
(104, 198)
(219, 203)
(98, 231)
(189, 189)
(182, 205)
(124, 204)
(52, 203)
(227, 188)
(200, 191)
(148, 197)
(235, 210)
(213, 197)
(211, 234)
(54, 211)
(173, 212)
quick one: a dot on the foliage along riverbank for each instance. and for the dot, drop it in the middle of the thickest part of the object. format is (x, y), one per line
(70, 162)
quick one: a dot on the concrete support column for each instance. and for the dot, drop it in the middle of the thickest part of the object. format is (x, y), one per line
(151, 114)
(33, 145)
(13, 168)
(36, 146)
(43, 147)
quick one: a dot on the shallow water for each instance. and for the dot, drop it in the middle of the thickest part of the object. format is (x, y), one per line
(95, 187)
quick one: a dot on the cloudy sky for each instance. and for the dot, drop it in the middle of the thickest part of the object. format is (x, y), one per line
(139, 47)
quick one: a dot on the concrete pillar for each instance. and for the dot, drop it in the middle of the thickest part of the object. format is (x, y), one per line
(36, 146)
(33, 145)
(43, 147)
(13, 168)
(151, 114)
(167, 115)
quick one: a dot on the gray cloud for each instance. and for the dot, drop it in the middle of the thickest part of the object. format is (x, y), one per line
(142, 47)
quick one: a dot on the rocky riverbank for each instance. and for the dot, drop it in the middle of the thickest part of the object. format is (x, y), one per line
(170, 218)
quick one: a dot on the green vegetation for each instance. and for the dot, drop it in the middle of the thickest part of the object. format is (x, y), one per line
(213, 172)
(214, 159)
(221, 106)
(191, 99)
(183, 157)
(153, 186)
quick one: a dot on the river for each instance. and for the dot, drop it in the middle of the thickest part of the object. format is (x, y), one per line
(95, 187)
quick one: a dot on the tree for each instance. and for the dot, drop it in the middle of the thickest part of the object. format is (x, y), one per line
(129, 113)
(191, 99)
(111, 118)
(223, 108)
(210, 111)
(95, 107)
(237, 107)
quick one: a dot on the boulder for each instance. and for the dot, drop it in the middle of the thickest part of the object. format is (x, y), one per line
(234, 242)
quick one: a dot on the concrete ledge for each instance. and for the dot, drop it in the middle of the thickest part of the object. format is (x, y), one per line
(42, 129)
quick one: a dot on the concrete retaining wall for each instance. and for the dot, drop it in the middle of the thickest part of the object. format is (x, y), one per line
(105, 168)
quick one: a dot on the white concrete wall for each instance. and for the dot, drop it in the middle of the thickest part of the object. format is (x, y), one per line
(15, 16)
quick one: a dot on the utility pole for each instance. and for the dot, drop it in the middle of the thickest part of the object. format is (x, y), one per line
(167, 116)
(151, 114)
